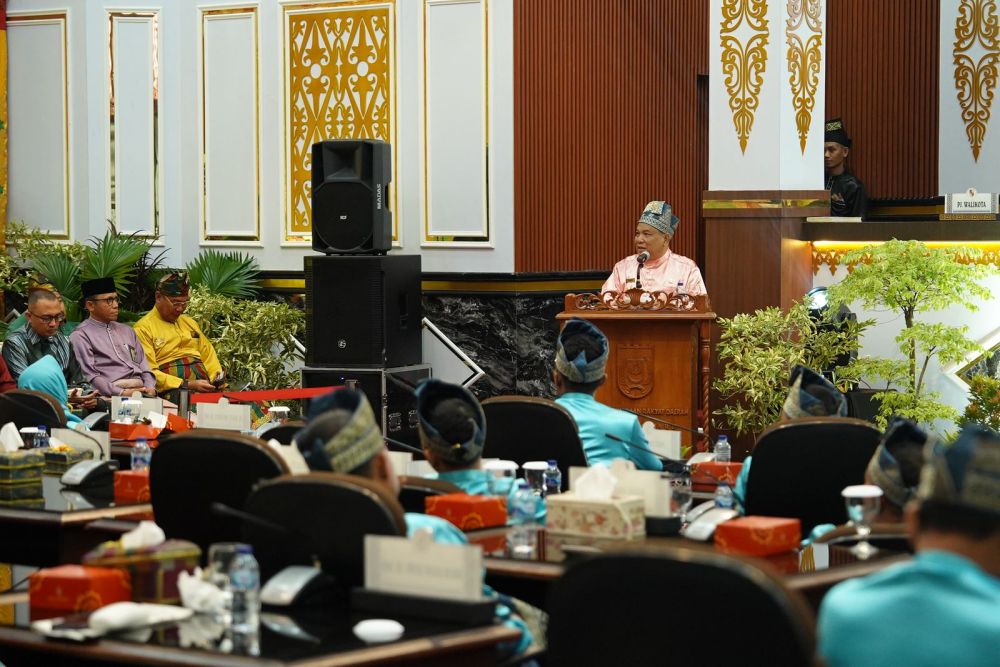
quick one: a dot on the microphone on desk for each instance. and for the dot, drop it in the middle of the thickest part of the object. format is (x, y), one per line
(407, 447)
(698, 431)
(221, 509)
(670, 465)
(642, 258)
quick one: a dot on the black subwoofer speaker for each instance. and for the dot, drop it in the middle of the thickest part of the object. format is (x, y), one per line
(350, 187)
(363, 310)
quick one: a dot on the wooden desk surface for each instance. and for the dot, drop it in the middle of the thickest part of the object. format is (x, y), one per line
(462, 646)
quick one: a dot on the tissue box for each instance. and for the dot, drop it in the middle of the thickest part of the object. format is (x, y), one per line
(468, 512)
(21, 465)
(154, 570)
(620, 518)
(24, 504)
(758, 535)
(21, 490)
(59, 459)
(705, 476)
(131, 486)
(71, 588)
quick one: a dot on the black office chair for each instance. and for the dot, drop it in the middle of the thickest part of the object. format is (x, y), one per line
(25, 407)
(283, 433)
(524, 428)
(800, 467)
(658, 609)
(192, 470)
(413, 491)
(320, 516)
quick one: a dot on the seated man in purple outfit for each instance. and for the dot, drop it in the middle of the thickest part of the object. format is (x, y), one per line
(109, 353)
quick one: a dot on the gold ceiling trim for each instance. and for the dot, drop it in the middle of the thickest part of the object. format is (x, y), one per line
(804, 61)
(832, 253)
(744, 63)
(976, 78)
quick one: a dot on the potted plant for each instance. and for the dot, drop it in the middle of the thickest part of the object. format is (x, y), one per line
(910, 279)
(758, 351)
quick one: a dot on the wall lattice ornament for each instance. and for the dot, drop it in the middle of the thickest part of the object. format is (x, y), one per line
(976, 69)
(744, 62)
(833, 255)
(804, 61)
(340, 85)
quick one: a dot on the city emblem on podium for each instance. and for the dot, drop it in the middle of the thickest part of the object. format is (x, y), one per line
(635, 370)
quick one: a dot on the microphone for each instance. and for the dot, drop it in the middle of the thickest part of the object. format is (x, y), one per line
(221, 509)
(698, 431)
(407, 447)
(670, 465)
(643, 257)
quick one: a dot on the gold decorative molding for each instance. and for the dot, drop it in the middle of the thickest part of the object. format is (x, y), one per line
(339, 84)
(832, 253)
(976, 78)
(804, 61)
(744, 63)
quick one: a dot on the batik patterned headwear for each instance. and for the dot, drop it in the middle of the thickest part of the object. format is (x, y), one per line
(353, 445)
(98, 286)
(660, 215)
(965, 472)
(579, 370)
(431, 392)
(883, 468)
(806, 392)
(836, 133)
(36, 281)
(173, 284)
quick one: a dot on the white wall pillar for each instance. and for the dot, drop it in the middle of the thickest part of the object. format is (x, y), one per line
(767, 65)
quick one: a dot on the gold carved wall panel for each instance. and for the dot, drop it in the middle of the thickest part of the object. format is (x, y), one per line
(744, 60)
(340, 79)
(976, 69)
(804, 60)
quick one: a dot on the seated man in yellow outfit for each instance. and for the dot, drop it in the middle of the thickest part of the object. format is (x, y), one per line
(179, 354)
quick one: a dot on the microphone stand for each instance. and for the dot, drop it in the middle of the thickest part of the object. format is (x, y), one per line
(407, 447)
(638, 271)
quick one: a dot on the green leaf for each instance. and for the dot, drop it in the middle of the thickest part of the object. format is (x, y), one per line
(230, 274)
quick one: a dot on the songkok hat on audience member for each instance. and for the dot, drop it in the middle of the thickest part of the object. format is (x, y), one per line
(812, 395)
(578, 369)
(884, 466)
(660, 216)
(98, 286)
(36, 281)
(835, 132)
(327, 447)
(431, 392)
(173, 284)
(965, 472)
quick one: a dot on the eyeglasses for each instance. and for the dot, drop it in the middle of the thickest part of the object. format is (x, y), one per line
(49, 319)
(179, 304)
(110, 300)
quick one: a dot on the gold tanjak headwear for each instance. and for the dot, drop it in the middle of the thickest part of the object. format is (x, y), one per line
(349, 447)
(965, 472)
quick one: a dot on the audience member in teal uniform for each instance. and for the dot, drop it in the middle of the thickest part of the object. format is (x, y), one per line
(581, 356)
(46, 375)
(344, 438)
(942, 607)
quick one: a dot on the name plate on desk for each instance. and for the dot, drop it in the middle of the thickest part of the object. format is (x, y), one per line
(223, 415)
(970, 203)
(421, 567)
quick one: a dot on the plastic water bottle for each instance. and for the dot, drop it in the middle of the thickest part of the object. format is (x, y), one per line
(244, 586)
(42, 437)
(723, 452)
(523, 535)
(553, 479)
(724, 496)
(141, 454)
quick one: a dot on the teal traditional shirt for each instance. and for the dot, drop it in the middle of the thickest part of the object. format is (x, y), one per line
(938, 609)
(594, 419)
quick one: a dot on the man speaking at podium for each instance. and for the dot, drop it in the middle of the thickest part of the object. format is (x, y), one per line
(662, 270)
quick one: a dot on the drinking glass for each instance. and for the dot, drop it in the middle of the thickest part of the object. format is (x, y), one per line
(501, 476)
(220, 558)
(278, 414)
(534, 473)
(863, 503)
(680, 495)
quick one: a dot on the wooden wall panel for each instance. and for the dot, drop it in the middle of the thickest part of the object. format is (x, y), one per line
(607, 117)
(882, 79)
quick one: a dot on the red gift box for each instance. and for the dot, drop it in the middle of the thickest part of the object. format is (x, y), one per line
(711, 473)
(468, 512)
(175, 424)
(153, 570)
(131, 486)
(758, 535)
(72, 588)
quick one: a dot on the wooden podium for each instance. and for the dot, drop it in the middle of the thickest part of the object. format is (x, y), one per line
(659, 355)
